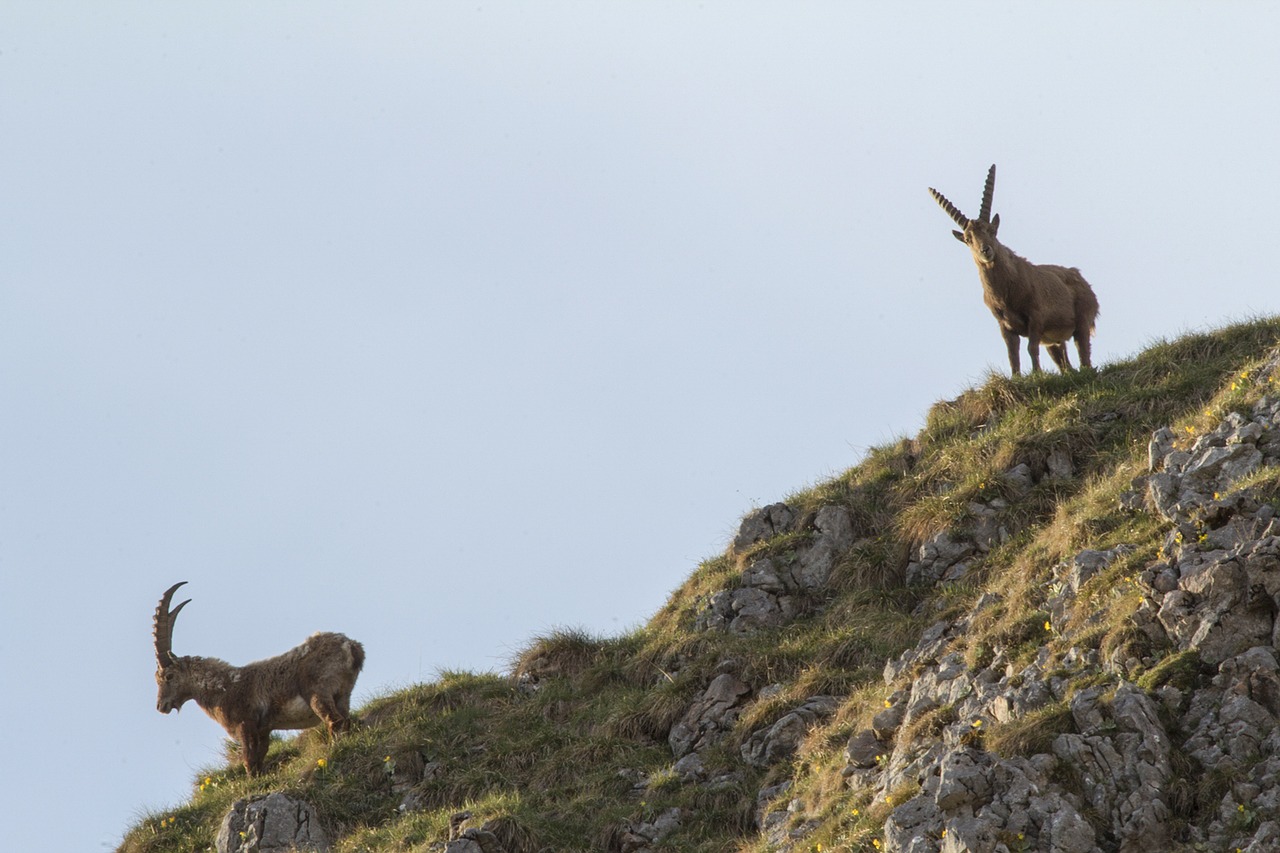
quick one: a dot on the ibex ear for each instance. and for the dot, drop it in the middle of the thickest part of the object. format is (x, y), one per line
(995, 224)
(959, 235)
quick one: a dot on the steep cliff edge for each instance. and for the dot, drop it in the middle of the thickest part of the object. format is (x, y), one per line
(1048, 622)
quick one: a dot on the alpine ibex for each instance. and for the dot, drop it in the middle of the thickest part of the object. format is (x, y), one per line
(1043, 303)
(296, 690)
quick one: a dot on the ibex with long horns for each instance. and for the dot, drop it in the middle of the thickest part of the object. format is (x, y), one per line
(1043, 303)
(296, 690)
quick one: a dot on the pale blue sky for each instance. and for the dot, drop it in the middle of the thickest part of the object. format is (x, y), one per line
(443, 325)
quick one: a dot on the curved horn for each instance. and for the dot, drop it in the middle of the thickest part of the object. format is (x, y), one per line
(988, 191)
(950, 208)
(164, 625)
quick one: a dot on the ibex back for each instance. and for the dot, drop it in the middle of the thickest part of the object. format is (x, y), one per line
(301, 688)
(1043, 303)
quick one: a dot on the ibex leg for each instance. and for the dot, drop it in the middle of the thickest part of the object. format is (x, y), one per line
(1011, 344)
(327, 709)
(1084, 347)
(253, 748)
(1058, 352)
(1033, 350)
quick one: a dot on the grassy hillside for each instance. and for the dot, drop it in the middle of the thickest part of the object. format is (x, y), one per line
(570, 751)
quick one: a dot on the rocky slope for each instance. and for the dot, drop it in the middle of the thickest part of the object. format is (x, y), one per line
(1048, 622)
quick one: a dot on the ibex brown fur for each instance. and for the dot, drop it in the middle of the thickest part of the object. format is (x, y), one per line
(296, 690)
(1043, 303)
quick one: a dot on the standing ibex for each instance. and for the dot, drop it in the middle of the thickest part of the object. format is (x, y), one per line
(1041, 302)
(296, 690)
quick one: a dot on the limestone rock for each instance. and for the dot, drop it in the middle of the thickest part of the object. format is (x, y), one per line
(834, 537)
(641, 837)
(779, 741)
(1225, 602)
(773, 588)
(763, 524)
(1019, 477)
(1159, 448)
(1185, 484)
(1059, 464)
(475, 841)
(710, 717)
(942, 557)
(885, 723)
(1067, 831)
(1123, 758)
(963, 780)
(275, 823)
(864, 750)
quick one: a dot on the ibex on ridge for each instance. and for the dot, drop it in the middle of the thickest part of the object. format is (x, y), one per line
(1043, 303)
(296, 690)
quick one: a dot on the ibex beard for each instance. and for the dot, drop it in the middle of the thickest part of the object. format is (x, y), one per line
(303, 687)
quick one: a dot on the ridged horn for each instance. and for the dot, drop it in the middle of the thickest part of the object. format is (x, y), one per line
(988, 191)
(950, 208)
(164, 620)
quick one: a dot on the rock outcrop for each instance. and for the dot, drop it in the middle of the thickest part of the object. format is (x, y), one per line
(775, 587)
(276, 823)
(1116, 770)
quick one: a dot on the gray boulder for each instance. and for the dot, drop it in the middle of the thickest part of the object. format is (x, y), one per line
(275, 823)
(475, 841)
(773, 589)
(710, 717)
(763, 524)
(779, 741)
(1123, 758)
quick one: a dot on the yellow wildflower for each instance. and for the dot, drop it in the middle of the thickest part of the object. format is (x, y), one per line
(321, 763)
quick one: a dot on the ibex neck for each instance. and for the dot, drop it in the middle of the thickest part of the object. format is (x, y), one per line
(998, 275)
(210, 679)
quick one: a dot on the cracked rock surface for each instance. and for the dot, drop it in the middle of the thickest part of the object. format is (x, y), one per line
(275, 823)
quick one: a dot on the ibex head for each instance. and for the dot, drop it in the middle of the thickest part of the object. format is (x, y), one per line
(978, 234)
(170, 671)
